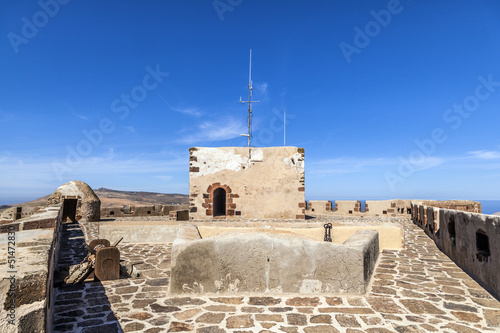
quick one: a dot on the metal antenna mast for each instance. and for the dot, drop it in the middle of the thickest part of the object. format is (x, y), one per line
(249, 135)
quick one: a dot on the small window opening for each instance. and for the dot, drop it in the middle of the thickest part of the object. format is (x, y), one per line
(112, 213)
(431, 227)
(482, 245)
(149, 212)
(451, 229)
(350, 212)
(384, 212)
(408, 211)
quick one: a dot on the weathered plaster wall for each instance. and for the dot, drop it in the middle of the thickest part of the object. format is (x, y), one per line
(471, 240)
(320, 206)
(267, 262)
(259, 182)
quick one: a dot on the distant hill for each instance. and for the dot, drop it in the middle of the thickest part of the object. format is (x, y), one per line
(119, 198)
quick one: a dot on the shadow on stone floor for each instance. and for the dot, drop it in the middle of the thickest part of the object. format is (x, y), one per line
(81, 307)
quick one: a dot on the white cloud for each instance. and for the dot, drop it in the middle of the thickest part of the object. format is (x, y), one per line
(427, 163)
(192, 111)
(213, 131)
(77, 114)
(484, 154)
(261, 89)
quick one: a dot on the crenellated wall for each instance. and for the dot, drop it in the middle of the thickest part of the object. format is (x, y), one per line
(347, 207)
(320, 206)
(471, 240)
(388, 207)
(394, 207)
(132, 211)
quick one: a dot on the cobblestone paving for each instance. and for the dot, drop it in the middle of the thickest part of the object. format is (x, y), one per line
(417, 289)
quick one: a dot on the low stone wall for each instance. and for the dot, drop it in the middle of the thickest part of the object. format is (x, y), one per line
(264, 262)
(462, 205)
(26, 287)
(18, 212)
(471, 240)
(138, 231)
(132, 211)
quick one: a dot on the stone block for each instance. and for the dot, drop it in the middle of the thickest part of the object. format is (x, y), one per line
(220, 264)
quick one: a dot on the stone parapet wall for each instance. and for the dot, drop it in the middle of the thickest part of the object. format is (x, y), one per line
(471, 240)
(148, 210)
(393, 207)
(18, 212)
(462, 205)
(26, 288)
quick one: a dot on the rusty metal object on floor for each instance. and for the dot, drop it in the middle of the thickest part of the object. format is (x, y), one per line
(102, 260)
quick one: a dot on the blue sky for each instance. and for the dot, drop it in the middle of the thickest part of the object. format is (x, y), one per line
(390, 99)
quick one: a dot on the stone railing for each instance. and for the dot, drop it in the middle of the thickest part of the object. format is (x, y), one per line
(26, 288)
(471, 240)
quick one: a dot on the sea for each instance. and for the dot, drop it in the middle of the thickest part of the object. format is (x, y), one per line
(490, 206)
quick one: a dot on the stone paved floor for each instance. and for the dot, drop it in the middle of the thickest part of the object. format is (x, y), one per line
(417, 289)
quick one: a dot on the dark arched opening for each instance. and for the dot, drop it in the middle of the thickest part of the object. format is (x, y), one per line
(451, 229)
(483, 245)
(219, 202)
(69, 210)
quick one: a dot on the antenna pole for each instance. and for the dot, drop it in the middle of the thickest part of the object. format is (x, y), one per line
(250, 88)
(250, 101)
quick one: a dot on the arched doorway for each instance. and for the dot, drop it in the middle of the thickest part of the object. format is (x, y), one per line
(69, 210)
(219, 202)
